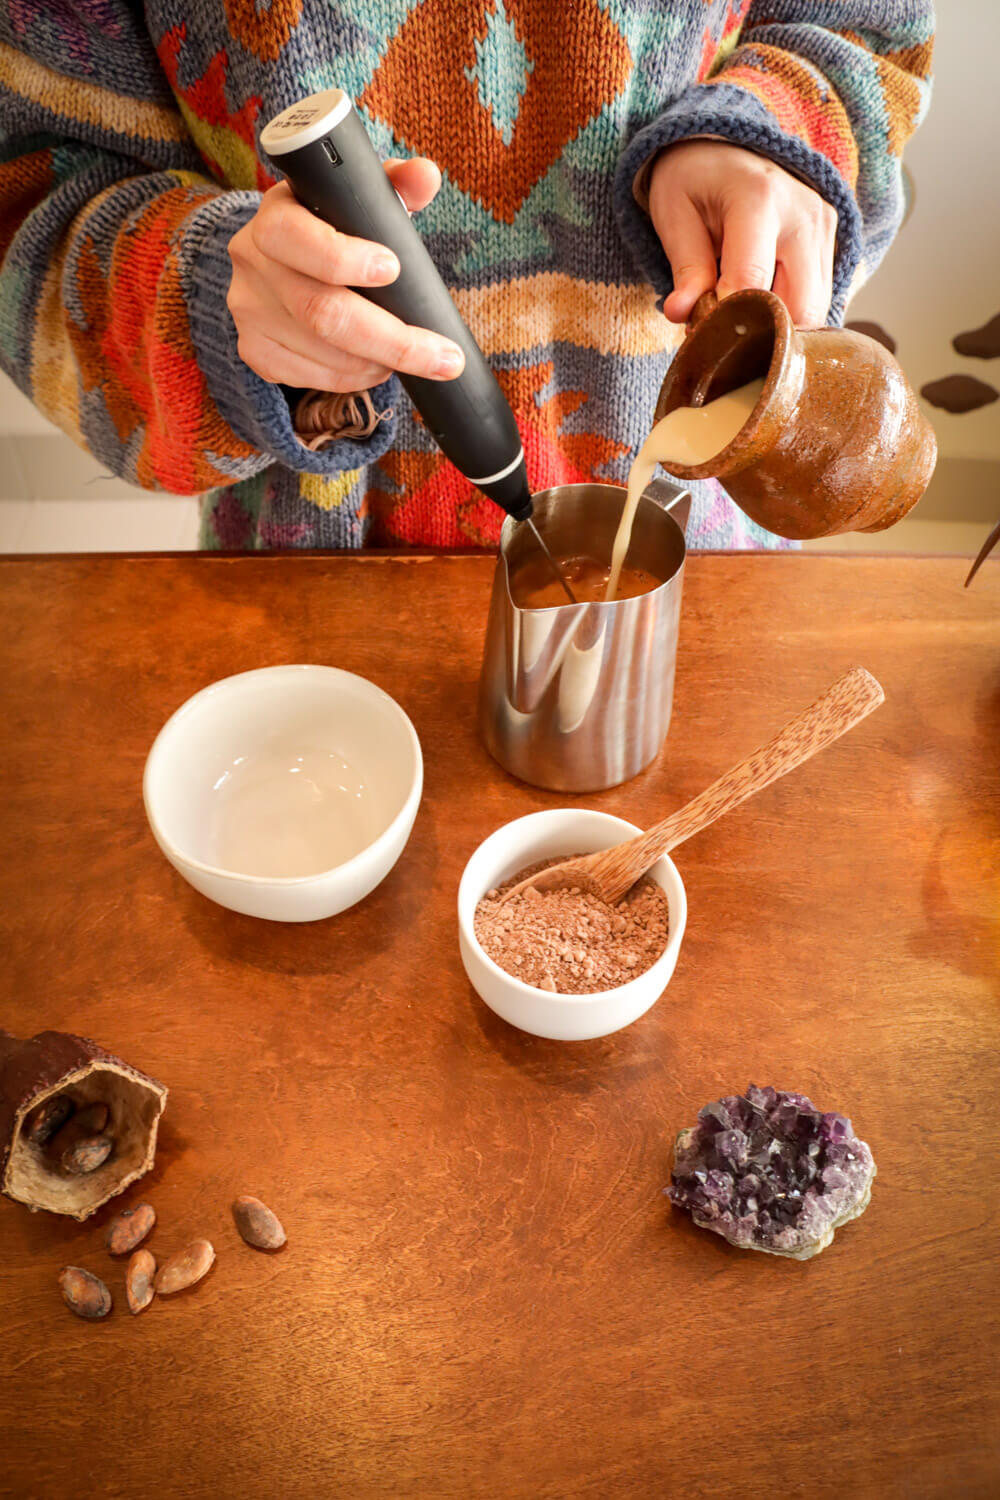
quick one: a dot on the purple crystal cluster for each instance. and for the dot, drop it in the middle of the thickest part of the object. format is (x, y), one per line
(769, 1171)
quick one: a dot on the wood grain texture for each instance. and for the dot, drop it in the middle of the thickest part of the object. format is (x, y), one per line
(609, 874)
(484, 1291)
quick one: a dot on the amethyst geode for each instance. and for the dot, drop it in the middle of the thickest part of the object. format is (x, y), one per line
(769, 1171)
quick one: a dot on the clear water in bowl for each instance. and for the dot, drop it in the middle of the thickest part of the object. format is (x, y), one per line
(289, 812)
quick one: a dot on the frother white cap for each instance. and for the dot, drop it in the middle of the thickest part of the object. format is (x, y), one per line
(307, 121)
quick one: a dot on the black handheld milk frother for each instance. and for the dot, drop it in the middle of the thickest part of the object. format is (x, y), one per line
(322, 147)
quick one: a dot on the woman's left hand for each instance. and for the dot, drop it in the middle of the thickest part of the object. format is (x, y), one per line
(729, 219)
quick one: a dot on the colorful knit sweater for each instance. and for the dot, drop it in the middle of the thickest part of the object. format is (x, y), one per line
(129, 159)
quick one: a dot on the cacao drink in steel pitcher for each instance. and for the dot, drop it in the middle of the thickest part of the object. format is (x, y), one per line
(577, 697)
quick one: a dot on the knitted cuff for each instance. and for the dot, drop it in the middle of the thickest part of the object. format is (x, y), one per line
(256, 409)
(730, 113)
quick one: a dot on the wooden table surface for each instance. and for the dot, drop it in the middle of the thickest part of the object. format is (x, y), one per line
(485, 1292)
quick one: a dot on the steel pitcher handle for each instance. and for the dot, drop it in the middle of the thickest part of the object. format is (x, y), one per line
(676, 502)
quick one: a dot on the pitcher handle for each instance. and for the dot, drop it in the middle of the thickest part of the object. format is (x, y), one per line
(675, 501)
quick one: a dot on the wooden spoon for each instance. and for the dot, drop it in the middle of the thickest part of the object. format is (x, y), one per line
(612, 872)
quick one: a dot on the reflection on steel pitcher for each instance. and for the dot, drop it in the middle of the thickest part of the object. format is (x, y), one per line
(576, 697)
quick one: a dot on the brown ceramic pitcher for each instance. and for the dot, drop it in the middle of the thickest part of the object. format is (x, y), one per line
(837, 440)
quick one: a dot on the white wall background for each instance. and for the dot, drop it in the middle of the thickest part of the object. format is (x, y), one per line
(941, 278)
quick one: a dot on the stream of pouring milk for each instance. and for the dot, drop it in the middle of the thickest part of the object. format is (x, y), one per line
(689, 435)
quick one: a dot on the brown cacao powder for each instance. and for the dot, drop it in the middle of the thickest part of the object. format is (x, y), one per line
(569, 942)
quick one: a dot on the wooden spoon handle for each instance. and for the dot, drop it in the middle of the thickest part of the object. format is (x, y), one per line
(838, 710)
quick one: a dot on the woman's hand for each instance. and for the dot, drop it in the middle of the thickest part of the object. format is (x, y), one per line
(729, 219)
(298, 321)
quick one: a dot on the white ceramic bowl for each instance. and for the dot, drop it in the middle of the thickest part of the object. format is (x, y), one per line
(287, 793)
(563, 1018)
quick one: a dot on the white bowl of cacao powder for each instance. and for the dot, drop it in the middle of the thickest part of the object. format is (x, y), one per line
(545, 1012)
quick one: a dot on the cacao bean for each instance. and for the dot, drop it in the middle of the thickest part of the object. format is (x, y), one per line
(43, 1122)
(87, 1154)
(185, 1268)
(257, 1224)
(93, 1117)
(139, 1288)
(84, 1293)
(129, 1228)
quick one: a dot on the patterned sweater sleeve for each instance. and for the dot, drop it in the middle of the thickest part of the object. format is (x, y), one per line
(830, 90)
(114, 264)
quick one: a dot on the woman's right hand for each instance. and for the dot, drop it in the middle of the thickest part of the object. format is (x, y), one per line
(299, 323)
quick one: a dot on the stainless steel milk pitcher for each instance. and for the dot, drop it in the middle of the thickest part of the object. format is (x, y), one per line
(577, 697)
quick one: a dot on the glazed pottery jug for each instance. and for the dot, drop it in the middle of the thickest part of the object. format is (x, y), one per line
(837, 441)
